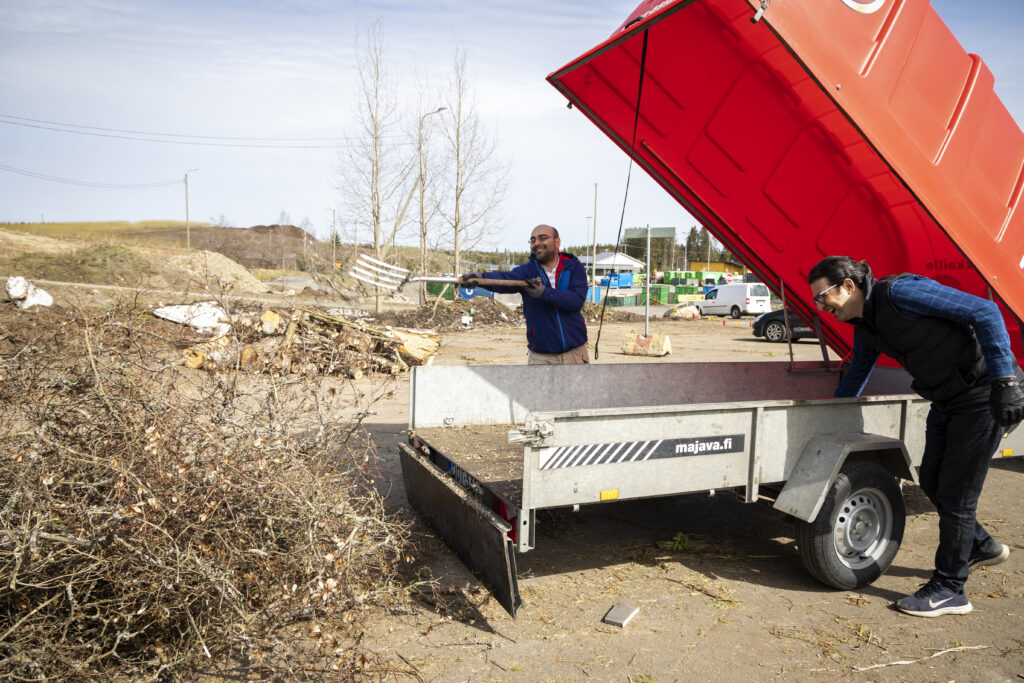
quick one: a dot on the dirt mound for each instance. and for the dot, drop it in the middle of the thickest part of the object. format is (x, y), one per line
(448, 315)
(94, 264)
(286, 230)
(213, 269)
(13, 243)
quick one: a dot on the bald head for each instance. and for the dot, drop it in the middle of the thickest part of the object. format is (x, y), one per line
(544, 245)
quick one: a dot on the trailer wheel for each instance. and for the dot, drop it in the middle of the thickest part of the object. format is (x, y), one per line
(858, 530)
(775, 331)
(735, 312)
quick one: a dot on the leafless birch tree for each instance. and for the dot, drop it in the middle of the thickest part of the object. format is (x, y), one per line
(379, 170)
(476, 178)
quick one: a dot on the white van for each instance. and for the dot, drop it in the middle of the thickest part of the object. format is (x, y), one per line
(740, 298)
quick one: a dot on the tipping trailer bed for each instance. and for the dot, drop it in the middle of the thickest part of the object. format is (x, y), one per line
(819, 127)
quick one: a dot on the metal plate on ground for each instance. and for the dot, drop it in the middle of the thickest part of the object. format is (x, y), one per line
(477, 535)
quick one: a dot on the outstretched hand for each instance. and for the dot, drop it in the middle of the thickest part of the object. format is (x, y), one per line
(534, 288)
(470, 276)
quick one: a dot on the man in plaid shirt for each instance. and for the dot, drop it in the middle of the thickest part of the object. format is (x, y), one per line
(956, 348)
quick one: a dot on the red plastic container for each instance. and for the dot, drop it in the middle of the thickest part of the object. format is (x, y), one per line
(825, 127)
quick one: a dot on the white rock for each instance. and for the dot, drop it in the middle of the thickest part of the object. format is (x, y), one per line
(17, 287)
(204, 316)
(27, 294)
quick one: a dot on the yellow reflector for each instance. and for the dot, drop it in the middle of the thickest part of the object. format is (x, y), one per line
(1007, 452)
(610, 495)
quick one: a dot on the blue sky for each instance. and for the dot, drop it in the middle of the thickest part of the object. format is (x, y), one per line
(285, 70)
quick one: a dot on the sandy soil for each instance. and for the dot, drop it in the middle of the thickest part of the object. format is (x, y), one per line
(730, 602)
(734, 604)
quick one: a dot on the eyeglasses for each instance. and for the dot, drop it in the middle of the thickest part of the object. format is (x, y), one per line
(540, 238)
(819, 298)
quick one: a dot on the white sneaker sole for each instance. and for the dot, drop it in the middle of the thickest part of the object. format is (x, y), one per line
(959, 609)
(998, 559)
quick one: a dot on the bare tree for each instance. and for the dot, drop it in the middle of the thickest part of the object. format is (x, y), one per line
(477, 179)
(378, 174)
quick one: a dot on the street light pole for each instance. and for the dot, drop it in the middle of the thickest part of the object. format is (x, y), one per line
(188, 234)
(423, 215)
(593, 261)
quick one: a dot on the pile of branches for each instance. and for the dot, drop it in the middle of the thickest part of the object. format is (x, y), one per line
(153, 518)
(311, 342)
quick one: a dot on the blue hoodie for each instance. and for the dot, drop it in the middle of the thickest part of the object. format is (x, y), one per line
(554, 323)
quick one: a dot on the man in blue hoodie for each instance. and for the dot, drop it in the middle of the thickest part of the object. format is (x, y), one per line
(557, 287)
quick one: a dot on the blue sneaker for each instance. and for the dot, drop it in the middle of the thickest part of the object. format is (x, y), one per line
(934, 600)
(999, 555)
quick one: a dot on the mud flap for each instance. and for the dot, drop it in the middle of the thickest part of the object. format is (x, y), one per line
(478, 536)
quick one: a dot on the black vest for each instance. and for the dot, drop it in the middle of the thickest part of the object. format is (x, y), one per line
(944, 358)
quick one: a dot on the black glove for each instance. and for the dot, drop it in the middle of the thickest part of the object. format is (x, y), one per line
(534, 288)
(470, 276)
(1007, 401)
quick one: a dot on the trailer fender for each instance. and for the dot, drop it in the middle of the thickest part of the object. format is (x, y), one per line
(823, 458)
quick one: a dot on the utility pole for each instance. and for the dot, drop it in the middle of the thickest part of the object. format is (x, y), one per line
(590, 252)
(593, 261)
(188, 234)
(650, 281)
(707, 266)
(423, 214)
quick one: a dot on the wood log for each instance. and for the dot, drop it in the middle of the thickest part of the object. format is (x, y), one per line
(417, 347)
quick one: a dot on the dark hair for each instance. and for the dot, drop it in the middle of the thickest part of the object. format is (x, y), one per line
(835, 269)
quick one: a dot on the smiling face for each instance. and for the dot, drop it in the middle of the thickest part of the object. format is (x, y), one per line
(844, 301)
(544, 245)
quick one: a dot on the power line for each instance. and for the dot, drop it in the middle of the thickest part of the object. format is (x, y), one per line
(166, 138)
(86, 183)
(171, 135)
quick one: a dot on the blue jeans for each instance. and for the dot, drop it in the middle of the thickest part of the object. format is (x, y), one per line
(959, 443)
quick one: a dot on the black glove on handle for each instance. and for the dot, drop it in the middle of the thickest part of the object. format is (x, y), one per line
(470, 276)
(1007, 401)
(534, 288)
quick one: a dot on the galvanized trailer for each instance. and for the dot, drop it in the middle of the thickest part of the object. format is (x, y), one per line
(492, 445)
(792, 130)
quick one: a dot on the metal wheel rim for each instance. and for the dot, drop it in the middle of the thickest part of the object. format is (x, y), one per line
(777, 329)
(862, 528)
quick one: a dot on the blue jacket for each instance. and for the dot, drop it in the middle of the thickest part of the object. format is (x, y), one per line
(554, 323)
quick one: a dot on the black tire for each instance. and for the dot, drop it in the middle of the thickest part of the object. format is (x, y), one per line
(775, 331)
(858, 530)
(735, 312)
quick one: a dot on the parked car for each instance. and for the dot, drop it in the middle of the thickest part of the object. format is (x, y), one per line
(739, 298)
(772, 326)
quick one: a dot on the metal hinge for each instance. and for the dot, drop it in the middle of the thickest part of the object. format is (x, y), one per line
(531, 433)
(760, 11)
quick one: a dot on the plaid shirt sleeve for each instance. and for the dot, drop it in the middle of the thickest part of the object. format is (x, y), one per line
(919, 297)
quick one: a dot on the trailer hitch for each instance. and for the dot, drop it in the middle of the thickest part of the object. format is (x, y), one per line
(532, 433)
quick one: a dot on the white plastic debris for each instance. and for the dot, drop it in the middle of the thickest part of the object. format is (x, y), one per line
(204, 316)
(26, 293)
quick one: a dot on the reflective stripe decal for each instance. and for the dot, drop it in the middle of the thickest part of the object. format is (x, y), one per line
(582, 455)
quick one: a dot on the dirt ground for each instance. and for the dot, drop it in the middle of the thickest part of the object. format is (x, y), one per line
(720, 586)
(732, 601)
